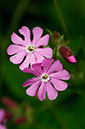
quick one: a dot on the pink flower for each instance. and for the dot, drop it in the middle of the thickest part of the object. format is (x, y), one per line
(2, 119)
(48, 78)
(28, 51)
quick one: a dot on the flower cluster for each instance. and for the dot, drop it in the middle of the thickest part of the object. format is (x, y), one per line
(37, 59)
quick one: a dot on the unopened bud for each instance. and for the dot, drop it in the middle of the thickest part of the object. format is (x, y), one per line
(9, 102)
(67, 54)
(55, 36)
(20, 120)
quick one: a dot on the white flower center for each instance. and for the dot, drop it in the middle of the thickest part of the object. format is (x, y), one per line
(30, 48)
(45, 77)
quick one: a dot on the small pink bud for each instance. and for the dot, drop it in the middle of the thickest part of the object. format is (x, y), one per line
(9, 102)
(67, 54)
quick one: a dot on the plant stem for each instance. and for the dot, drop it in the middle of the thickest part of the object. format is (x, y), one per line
(62, 21)
(55, 56)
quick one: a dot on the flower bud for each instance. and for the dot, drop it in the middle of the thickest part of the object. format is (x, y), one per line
(67, 54)
(55, 36)
(9, 102)
(20, 120)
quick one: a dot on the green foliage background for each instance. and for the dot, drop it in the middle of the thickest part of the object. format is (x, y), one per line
(68, 18)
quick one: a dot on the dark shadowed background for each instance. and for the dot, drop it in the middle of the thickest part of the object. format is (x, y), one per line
(67, 17)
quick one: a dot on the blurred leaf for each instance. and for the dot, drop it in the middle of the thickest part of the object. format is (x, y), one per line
(15, 78)
(80, 90)
(75, 43)
(18, 13)
(82, 42)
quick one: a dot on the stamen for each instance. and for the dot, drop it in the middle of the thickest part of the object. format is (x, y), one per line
(30, 48)
(45, 77)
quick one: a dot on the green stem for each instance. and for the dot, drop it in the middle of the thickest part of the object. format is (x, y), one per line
(55, 55)
(49, 32)
(56, 50)
(61, 18)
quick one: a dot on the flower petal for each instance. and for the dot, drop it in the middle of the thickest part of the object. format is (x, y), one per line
(51, 91)
(42, 41)
(26, 32)
(33, 89)
(17, 40)
(37, 67)
(13, 49)
(39, 58)
(59, 85)
(30, 59)
(30, 70)
(46, 52)
(42, 91)
(25, 63)
(47, 64)
(16, 59)
(61, 75)
(37, 33)
(72, 59)
(33, 58)
(2, 127)
(56, 66)
(31, 81)
(2, 114)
